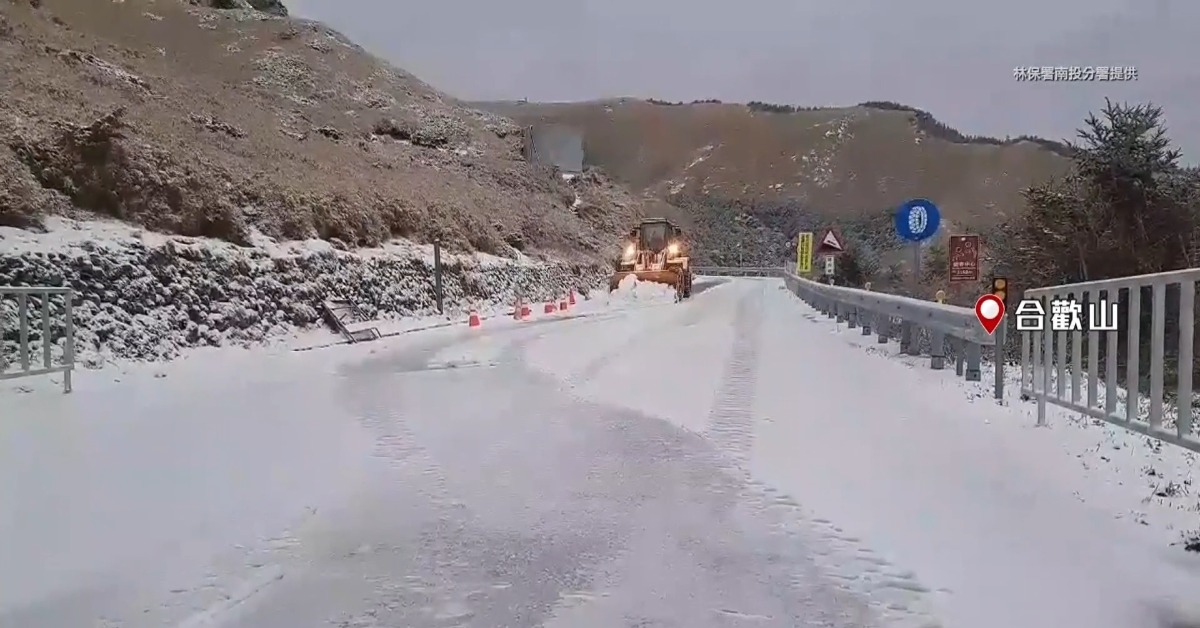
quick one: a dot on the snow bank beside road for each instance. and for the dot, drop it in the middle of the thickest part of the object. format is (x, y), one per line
(147, 500)
(1151, 484)
(1002, 524)
(148, 296)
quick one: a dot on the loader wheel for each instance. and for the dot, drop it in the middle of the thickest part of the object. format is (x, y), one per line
(687, 288)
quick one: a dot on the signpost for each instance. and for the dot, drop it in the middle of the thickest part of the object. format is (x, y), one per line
(831, 243)
(830, 246)
(1000, 290)
(804, 252)
(964, 259)
(917, 221)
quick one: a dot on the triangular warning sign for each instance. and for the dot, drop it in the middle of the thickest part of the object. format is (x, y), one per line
(831, 241)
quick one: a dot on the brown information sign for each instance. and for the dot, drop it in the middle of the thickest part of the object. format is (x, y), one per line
(964, 258)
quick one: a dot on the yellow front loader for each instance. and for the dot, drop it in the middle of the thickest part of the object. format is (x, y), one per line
(656, 251)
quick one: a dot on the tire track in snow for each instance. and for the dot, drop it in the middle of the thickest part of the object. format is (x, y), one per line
(417, 550)
(797, 584)
(861, 578)
(691, 313)
(398, 447)
(395, 443)
(466, 572)
(237, 582)
(384, 546)
(895, 595)
(730, 423)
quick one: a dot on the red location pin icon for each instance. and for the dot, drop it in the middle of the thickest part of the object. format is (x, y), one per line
(989, 309)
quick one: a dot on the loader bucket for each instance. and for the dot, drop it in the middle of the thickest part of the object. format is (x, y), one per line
(667, 277)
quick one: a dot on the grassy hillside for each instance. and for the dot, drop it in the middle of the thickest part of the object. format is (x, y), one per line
(197, 120)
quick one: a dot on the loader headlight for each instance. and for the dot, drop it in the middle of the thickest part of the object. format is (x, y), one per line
(629, 251)
(673, 248)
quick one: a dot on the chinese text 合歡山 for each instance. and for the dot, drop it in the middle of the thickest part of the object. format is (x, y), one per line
(1067, 315)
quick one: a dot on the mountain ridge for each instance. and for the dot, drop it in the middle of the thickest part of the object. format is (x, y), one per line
(840, 161)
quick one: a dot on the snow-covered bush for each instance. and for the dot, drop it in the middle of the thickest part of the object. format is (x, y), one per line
(148, 301)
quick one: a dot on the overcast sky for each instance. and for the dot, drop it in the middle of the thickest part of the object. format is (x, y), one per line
(954, 59)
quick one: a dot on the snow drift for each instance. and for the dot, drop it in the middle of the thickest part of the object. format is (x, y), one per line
(632, 291)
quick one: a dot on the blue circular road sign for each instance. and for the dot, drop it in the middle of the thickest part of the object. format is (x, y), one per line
(917, 220)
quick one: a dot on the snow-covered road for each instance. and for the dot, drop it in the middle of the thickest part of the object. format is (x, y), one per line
(732, 460)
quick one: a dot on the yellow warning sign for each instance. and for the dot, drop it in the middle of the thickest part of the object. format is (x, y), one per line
(804, 252)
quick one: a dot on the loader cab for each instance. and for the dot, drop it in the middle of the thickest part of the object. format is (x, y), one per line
(655, 235)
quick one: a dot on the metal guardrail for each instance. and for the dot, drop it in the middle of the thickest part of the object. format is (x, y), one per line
(43, 295)
(1053, 368)
(885, 312)
(737, 271)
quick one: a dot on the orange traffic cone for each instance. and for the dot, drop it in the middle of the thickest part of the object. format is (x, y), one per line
(562, 304)
(521, 311)
(473, 320)
(571, 297)
(549, 309)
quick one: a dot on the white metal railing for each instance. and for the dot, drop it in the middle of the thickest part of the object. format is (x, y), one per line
(43, 296)
(944, 324)
(1053, 368)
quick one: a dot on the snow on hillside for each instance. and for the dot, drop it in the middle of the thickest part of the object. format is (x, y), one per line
(144, 295)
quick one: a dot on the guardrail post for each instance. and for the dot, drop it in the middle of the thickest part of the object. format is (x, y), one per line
(1183, 396)
(840, 310)
(23, 329)
(1110, 348)
(831, 311)
(974, 357)
(914, 339)
(883, 324)
(438, 292)
(999, 357)
(46, 361)
(906, 337)
(865, 319)
(1048, 362)
(69, 343)
(937, 351)
(852, 317)
(1132, 366)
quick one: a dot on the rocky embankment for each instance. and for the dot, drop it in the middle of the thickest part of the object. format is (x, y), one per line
(149, 298)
